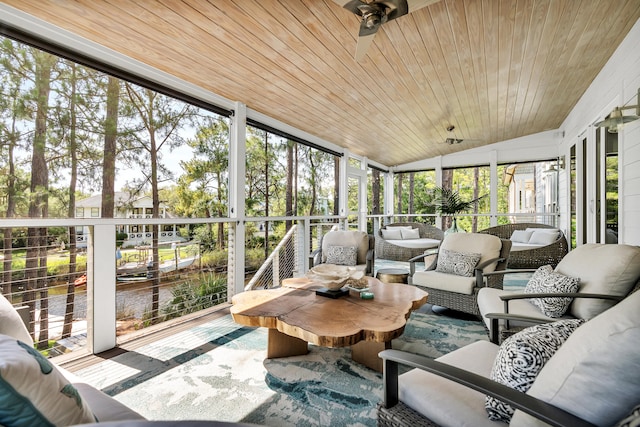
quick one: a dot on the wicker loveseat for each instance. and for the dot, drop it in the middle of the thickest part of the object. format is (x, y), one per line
(405, 249)
(524, 255)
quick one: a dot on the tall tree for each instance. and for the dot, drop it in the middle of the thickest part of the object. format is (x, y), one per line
(161, 118)
(12, 109)
(110, 148)
(36, 262)
(399, 192)
(203, 188)
(375, 192)
(411, 191)
(73, 152)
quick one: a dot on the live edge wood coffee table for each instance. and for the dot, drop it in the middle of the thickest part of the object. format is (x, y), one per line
(296, 316)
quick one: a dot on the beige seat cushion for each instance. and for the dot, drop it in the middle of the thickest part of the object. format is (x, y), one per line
(487, 245)
(595, 374)
(446, 282)
(445, 402)
(602, 269)
(359, 239)
(489, 302)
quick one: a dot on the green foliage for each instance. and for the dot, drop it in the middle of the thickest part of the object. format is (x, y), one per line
(215, 259)
(449, 202)
(195, 295)
(120, 238)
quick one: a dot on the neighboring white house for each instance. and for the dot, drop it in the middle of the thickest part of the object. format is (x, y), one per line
(127, 207)
(533, 189)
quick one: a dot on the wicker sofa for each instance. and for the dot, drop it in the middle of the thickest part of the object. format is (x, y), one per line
(525, 255)
(404, 250)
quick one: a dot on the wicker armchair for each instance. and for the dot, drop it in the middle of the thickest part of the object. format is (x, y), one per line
(390, 251)
(362, 241)
(534, 257)
(607, 273)
(459, 292)
(591, 379)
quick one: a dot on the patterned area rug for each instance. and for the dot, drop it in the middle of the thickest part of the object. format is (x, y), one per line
(218, 371)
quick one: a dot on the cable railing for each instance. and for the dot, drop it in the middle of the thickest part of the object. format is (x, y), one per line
(93, 297)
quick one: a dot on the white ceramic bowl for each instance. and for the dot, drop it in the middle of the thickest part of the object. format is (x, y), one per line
(333, 276)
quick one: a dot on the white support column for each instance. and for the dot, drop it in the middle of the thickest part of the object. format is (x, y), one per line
(438, 170)
(493, 185)
(363, 207)
(389, 194)
(101, 288)
(303, 243)
(344, 184)
(237, 172)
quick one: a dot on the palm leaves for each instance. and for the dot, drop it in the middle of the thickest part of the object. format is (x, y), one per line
(449, 202)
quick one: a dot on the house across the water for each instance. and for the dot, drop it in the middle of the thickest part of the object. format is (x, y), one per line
(132, 207)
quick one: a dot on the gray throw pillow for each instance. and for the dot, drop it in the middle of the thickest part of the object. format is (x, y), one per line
(342, 255)
(522, 356)
(545, 280)
(458, 263)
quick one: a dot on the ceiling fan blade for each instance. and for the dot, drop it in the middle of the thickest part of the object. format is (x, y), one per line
(375, 13)
(363, 45)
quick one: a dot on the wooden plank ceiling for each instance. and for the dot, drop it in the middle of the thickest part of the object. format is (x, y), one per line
(495, 69)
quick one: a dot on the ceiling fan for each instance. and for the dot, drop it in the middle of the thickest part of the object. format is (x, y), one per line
(451, 140)
(375, 13)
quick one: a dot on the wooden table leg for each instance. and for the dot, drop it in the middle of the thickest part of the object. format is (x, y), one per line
(283, 345)
(366, 352)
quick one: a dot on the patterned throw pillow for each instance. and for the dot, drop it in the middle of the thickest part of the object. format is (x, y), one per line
(458, 263)
(545, 280)
(522, 356)
(342, 255)
(632, 420)
(33, 392)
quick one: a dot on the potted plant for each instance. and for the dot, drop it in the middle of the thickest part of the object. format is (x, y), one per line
(449, 203)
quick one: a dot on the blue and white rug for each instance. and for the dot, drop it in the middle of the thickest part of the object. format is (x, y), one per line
(218, 371)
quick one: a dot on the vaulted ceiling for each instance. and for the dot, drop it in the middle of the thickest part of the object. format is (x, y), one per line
(494, 69)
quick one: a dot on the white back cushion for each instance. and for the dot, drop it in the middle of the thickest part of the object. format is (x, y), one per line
(595, 374)
(11, 324)
(602, 269)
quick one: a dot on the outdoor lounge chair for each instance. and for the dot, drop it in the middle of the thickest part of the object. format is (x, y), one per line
(593, 378)
(457, 288)
(606, 273)
(404, 247)
(528, 251)
(336, 246)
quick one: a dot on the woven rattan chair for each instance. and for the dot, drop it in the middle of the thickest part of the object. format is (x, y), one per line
(458, 292)
(550, 254)
(390, 251)
(364, 243)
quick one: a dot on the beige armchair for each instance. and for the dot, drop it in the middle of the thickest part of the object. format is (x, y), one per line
(606, 273)
(453, 281)
(591, 378)
(355, 248)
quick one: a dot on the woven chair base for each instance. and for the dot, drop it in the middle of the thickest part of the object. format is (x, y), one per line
(401, 415)
(453, 300)
(461, 302)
